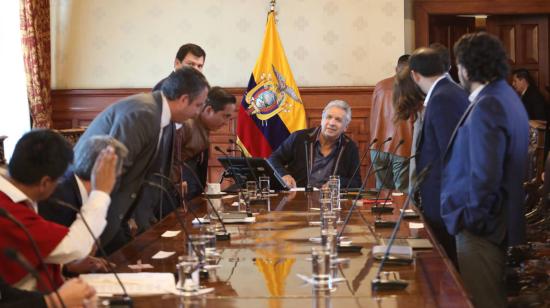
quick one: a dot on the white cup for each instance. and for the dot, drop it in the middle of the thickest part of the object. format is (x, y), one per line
(213, 188)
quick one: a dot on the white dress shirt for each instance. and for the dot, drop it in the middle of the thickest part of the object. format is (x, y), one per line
(78, 243)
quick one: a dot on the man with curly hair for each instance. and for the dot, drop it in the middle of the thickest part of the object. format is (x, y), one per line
(484, 167)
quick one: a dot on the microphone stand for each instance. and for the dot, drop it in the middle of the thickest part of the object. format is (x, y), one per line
(375, 208)
(41, 263)
(226, 236)
(178, 218)
(126, 300)
(386, 283)
(359, 165)
(308, 187)
(350, 212)
(379, 222)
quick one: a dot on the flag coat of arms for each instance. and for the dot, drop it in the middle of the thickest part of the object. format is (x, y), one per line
(271, 108)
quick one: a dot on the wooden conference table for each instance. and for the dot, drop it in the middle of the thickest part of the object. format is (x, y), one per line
(260, 263)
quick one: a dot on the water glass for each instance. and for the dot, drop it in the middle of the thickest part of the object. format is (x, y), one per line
(264, 186)
(334, 186)
(251, 189)
(197, 245)
(320, 262)
(209, 233)
(325, 199)
(188, 272)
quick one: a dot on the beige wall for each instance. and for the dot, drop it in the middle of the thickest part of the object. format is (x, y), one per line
(132, 43)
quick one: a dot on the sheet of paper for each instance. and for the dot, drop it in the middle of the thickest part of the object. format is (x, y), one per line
(396, 250)
(303, 189)
(163, 254)
(416, 225)
(140, 266)
(135, 283)
(170, 233)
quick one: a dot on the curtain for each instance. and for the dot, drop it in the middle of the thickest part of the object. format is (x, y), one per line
(35, 39)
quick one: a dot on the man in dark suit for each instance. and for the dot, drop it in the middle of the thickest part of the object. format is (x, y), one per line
(484, 168)
(138, 122)
(532, 99)
(444, 104)
(188, 55)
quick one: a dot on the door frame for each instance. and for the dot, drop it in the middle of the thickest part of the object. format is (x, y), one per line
(424, 8)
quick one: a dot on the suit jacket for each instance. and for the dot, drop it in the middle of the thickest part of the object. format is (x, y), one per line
(67, 190)
(485, 166)
(443, 111)
(290, 158)
(382, 125)
(534, 103)
(134, 121)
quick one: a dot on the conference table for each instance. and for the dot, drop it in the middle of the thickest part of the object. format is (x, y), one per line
(261, 264)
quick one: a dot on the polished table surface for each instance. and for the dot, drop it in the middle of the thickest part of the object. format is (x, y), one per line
(259, 265)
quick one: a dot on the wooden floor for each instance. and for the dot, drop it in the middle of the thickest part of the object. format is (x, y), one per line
(259, 266)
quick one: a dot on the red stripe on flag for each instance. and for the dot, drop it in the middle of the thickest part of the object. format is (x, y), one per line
(251, 137)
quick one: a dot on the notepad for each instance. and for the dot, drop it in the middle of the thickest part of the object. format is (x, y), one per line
(135, 283)
(396, 251)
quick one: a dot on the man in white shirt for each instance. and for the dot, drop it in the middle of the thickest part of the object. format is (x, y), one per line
(39, 159)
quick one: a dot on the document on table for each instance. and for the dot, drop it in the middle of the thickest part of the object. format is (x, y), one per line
(170, 233)
(135, 283)
(302, 189)
(163, 254)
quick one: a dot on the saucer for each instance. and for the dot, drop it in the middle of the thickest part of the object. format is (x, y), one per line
(216, 195)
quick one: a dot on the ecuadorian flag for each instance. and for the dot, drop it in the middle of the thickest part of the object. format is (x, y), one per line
(271, 107)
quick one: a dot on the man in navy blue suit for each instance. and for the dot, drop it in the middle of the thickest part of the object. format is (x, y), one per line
(444, 105)
(484, 168)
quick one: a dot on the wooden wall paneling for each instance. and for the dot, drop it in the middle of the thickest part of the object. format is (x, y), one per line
(77, 108)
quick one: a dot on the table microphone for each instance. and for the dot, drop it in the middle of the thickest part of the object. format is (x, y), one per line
(246, 159)
(360, 161)
(20, 259)
(384, 284)
(308, 187)
(350, 212)
(178, 218)
(375, 208)
(226, 236)
(41, 262)
(380, 223)
(126, 300)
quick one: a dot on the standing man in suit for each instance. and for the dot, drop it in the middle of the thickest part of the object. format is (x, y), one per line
(484, 168)
(139, 122)
(444, 104)
(384, 124)
(532, 99)
(188, 55)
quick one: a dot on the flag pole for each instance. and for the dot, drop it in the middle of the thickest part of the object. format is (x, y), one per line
(272, 8)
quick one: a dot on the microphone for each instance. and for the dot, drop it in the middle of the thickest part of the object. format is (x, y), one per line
(232, 171)
(353, 206)
(178, 218)
(41, 262)
(387, 283)
(359, 165)
(375, 208)
(226, 236)
(245, 159)
(379, 223)
(125, 301)
(163, 189)
(308, 187)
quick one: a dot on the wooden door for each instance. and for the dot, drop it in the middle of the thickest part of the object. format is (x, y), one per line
(446, 30)
(525, 38)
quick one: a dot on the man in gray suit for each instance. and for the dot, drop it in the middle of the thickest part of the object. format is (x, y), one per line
(139, 121)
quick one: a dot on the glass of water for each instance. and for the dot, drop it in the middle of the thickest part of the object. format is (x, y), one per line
(320, 262)
(264, 186)
(188, 272)
(251, 189)
(334, 186)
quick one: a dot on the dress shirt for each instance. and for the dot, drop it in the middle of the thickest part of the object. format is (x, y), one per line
(77, 243)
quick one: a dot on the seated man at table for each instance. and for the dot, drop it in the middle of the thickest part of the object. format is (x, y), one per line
(330, 151)
(74, 188)
(40, 158)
